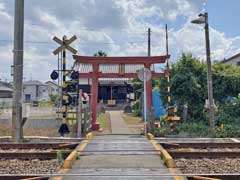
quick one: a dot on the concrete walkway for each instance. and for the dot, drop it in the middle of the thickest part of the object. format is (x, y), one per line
(118, 157)
(118, 125)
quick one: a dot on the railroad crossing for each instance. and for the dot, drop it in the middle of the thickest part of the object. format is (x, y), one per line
(119, 157)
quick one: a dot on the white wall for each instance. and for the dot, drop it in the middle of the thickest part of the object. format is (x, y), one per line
(30, 89)
(43, 93)
(233, 61)
(37, 94)
(6, 101)
(85, 81)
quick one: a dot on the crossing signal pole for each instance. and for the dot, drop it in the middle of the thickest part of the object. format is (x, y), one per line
(171, 108)
(65, 45)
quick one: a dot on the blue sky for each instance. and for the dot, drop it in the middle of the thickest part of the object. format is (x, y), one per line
(224, 16)
(118, 27)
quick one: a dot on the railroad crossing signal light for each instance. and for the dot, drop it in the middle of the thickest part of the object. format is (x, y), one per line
(74, 75)
(54, 75)
(170, 111)
(71, 88)
(68, 99)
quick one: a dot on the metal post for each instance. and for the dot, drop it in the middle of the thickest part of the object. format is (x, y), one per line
(79, 114)
(209, 76)
(168, 70)
(145, 104)
(149, 42)
(17, 131)
(111, 90)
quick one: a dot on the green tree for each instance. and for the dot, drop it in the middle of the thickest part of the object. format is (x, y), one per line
(54, 99)
(187, 87)
(226, 81)
(100, 53)
(188, 84)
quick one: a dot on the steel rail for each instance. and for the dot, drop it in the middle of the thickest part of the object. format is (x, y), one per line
(124, 175)
(33, 155)
(202, 154)
(6, 146)
(199, 145)
(23, 178)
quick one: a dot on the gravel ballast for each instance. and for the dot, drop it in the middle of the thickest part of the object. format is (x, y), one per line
(206, 165)
(35, 166)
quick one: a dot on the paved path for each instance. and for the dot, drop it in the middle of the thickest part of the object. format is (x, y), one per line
(119, 155)
(118, 125)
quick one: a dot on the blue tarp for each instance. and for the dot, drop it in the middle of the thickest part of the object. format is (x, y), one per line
(159, 110)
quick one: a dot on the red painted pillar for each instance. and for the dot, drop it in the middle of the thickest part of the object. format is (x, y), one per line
(149, 89)
(94, 97)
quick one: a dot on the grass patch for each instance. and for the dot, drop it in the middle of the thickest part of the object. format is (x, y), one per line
(130, 119)
(5, 130)
(104, 121)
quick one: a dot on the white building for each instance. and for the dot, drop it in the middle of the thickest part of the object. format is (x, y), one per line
(54, 89)
(35, 91)
(5, 94)
(234, 60)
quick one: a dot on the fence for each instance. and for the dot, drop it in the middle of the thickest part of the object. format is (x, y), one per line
(32, 112)
(87, 120)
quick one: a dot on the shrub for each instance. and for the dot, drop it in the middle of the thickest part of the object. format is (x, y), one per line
(195, 129)
(136, 108)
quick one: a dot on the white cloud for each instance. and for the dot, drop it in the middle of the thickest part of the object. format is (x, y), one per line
(3, 13)
(117, 27)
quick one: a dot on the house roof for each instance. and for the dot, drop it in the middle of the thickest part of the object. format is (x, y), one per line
(5, 86)
(34, 82)
(229, 59)
(51, 83)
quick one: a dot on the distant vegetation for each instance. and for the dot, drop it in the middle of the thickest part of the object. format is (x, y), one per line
(189, 87)
(188, 84)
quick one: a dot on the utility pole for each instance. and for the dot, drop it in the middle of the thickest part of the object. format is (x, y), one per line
(203, 19)
(209, 76)
(149, 42)
(17, 131)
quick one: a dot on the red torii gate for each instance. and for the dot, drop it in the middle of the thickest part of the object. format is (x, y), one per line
(95, 75)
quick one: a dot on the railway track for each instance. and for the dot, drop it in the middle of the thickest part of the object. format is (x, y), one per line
(32, 158)
(220, 159)
(181, 152)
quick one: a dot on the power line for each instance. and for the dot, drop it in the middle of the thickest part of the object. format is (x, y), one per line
(50, 43)
(103, 30)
